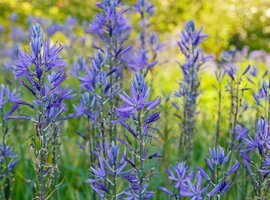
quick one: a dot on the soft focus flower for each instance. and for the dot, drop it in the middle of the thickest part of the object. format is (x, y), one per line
(195, 192)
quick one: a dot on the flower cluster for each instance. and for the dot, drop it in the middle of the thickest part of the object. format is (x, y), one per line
(113, 29)
(188, 90)
(137, 103)
(257, 148)
(189, 185)
(94, 104)
(100, 84)
(136, 117)
(108, 172)
(262, 98)
(8, 159)
(236, 89)
(145, 57)
(217, 163)
(42, 74)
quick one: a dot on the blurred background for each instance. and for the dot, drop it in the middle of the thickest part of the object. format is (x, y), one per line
(229, 23)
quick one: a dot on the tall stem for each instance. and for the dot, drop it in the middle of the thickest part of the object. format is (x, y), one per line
(91, 144)
(183, 125)
(41, 161)
(114, 182)
(41, 135)
(102, 128)
(231, 109)
(165, 146)
(141, 155)
(217, 177)
(235, 117)
(55, 157)
(260, 180)
(112, 62)
(91, 149)
(90, 139)
(112, 137)
(219, 113)
(190, 109)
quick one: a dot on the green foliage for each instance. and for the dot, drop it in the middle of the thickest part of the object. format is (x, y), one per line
(229, 23)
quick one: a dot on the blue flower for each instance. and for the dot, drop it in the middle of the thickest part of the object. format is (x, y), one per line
(180, 178)
(7, 155)
(112, 165)
(195, 192)
(137, 101)
(218, 156)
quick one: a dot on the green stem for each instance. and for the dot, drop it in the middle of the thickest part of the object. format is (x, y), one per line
(217, 177)
(55, 166)
(182, 138)
(219, 113)
(114, 183)
(42, 138)
(41, 160)
(141, 160)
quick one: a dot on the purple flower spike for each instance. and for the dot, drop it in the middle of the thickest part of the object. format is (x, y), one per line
(135, 115)
(42, 73)
(188, 91)
(137, 101)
